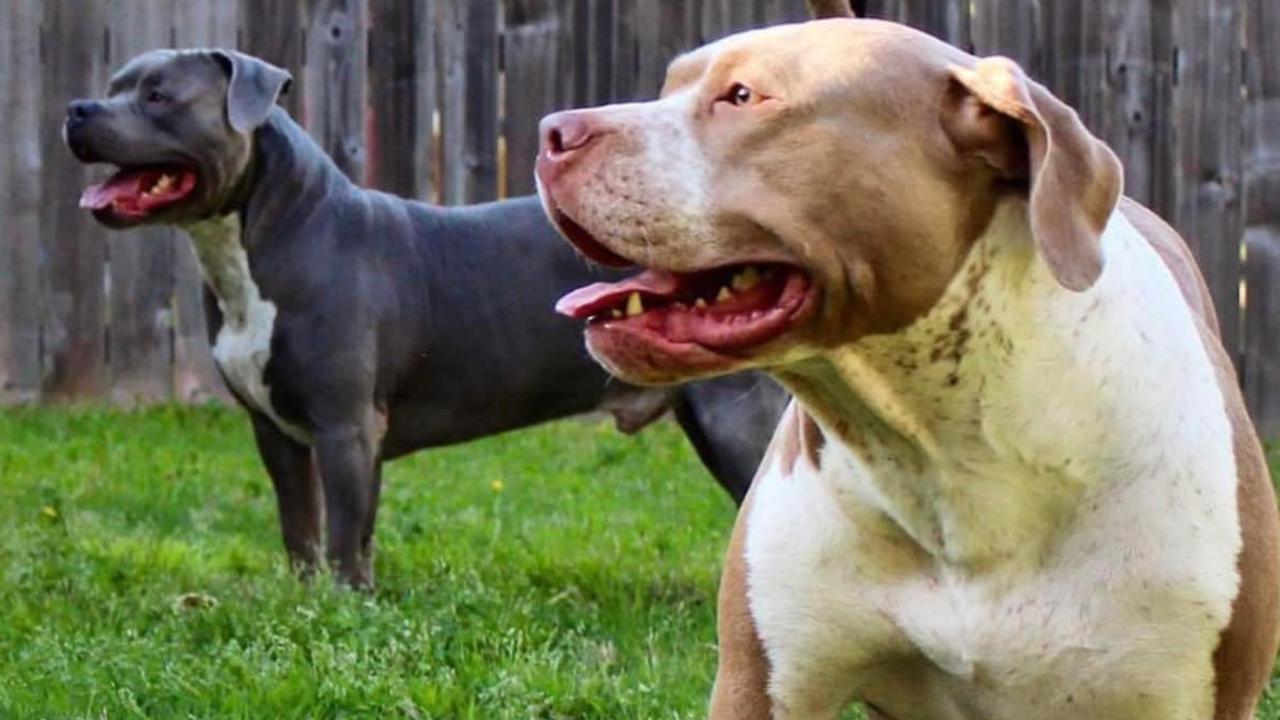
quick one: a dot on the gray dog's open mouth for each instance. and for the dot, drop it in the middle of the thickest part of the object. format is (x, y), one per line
(137, 193)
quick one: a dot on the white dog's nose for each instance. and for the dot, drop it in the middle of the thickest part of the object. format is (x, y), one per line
(564, 132)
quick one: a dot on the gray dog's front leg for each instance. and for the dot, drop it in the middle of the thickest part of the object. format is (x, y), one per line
(347, 461)
(298, 495)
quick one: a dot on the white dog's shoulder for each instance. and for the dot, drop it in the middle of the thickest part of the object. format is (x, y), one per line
(1125, 501)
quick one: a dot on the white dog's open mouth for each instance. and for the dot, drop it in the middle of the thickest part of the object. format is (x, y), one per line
(671, 322)
(725, 308)
(134, 194)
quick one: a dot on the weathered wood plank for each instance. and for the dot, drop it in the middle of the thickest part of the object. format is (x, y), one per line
(946, 19)
(467, 38)
(333, 80)
(1207, 111)
(664, 30)
(787, 11)
(1262, 216)
(140, 261)
(529, 33)
(1011, 28)
(1125, 116)
(20, 201)
(602, 41)
(207, 23)
(402, 97)
(625, 50)
(74, 308)
(716, 20)
(274, 31)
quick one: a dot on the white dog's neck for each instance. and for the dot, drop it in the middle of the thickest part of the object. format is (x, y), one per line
(983, 428)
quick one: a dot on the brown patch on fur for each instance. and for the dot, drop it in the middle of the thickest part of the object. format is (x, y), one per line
(798, 434)
(786, 441)
(811, 437)
(742, 679)
(1247, 649)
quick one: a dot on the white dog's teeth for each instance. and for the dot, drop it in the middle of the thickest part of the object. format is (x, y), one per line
(724, 294)
(745, 279)
(635, 305)
(700, 304)
(615, 313)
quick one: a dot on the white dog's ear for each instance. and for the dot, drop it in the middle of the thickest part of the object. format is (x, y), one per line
(1024, 132)
(253, 87)
(819, 9)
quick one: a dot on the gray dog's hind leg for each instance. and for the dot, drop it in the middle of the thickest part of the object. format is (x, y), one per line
(298, 494)
(347, 457)
(370, 519)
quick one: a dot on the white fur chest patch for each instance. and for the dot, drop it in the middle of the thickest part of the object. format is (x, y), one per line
(242, 348)
(1043, 526)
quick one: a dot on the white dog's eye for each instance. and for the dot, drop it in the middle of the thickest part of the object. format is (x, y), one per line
(739, 94)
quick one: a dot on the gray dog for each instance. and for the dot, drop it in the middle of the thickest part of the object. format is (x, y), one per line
(355, 326)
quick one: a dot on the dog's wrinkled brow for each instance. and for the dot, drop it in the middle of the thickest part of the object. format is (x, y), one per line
(685, 70)
(126, 78)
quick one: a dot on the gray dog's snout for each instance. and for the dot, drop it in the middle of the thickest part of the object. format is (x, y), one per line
(79, 110)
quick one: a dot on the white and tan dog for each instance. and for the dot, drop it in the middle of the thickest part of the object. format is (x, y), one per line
(1018, 482)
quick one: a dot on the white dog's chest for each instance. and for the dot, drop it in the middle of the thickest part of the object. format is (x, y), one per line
(242, 347)
(1120, 627)
(1070, 555)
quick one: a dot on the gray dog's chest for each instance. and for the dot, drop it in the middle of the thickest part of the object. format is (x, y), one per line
(242, 348)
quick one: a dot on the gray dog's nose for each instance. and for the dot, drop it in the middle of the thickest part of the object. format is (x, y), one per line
(83, 109)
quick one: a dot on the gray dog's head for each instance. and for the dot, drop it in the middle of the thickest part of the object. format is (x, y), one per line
(179, 125)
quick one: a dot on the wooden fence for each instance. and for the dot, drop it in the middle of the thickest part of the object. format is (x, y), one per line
(439, 99)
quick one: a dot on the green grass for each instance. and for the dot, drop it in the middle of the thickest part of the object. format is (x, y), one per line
(562, 572)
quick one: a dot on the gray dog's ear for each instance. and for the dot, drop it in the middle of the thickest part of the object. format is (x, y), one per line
(253, 87)
(1025, 133)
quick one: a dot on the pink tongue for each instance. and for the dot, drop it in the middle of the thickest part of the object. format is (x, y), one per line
(587, 301)
(101, 195)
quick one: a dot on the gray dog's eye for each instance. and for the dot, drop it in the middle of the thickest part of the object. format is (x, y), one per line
(156, 97)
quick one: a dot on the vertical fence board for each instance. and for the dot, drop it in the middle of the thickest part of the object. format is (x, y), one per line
(87, 314)
(625, 49)
(273, 31)
(945, 19)
(468, 38)
(481, 134)
(529, 33)
(333, 79)
(451, 93)
(1130, 77)
(402, 97)
(20, 201)
(664, 30)
(777, 12)
(1262, 216)
(602, 38)
(195, 379)
(1207, 108)
(140, 261)
(74, 348)
(1007, 27)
